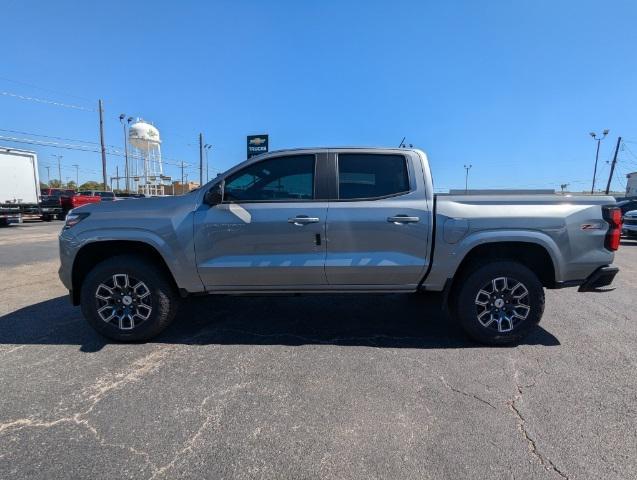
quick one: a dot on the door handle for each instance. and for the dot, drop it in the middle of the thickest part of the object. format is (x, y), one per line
(300, 220)
(403, 219)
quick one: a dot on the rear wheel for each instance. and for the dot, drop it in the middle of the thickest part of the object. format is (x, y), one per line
(128, 299)
(499, 302)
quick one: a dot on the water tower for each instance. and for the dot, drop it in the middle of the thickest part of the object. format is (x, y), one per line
(146, 165)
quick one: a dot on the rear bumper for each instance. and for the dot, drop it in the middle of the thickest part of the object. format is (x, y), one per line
(602, 277)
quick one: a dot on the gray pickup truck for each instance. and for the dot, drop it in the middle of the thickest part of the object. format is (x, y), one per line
(336, 220)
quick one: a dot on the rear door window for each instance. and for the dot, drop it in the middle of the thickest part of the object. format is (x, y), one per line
(363, 176)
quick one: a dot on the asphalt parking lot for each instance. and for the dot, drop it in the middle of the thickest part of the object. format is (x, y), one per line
(311, 387)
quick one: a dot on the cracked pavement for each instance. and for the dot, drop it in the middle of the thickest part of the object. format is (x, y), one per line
(352, 386)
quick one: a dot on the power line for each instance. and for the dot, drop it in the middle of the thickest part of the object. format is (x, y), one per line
(44, 89)
(50, 136)
(47, 102)
(85, 148)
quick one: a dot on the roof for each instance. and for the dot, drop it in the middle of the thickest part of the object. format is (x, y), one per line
(315, 149)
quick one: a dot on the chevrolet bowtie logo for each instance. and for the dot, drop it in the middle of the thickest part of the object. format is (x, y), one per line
(257, 141)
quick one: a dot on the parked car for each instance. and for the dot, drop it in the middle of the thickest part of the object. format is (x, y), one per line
(627, 205)
(332, 221)
(105, 196)
(77, 200)
(123, 195)
(51, 203)
(630, 224)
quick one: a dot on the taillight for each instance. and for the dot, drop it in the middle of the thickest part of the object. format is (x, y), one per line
(613, 215)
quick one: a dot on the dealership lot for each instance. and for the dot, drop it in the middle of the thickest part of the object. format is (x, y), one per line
(311, 387)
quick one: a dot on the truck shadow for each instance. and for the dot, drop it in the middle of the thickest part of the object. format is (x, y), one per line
(384, 321)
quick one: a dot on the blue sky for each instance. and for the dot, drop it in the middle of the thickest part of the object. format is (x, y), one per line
(511, 87)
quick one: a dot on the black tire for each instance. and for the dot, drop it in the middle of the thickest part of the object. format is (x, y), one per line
(47, 218)
(162, 300)
(504, 325)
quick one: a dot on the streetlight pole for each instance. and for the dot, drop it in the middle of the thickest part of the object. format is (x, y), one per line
(121, 120)
(48, 175)
(466, 178)
(59, 157)
(201, 148)
(598, 140)
(207, 147)
(77, 176)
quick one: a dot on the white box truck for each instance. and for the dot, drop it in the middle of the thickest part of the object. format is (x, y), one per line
(19, 185)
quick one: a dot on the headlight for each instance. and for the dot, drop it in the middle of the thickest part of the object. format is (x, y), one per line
(73, 219)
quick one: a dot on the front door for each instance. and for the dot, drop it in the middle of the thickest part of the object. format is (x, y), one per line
(268, 232)
(378, 225)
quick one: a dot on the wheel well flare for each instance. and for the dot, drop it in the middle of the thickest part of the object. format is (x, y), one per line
(96, 252)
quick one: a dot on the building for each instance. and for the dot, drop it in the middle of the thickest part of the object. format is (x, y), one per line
(178, 188)
(631, 184)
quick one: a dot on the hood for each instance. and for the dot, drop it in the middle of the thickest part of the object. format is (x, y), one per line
(138, 206)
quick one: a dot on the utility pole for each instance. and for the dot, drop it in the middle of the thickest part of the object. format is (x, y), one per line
(59, 157)
(117, 175)
(598, 140)
(77, 175)
(101, 111)
(466, 178)
(201, 159)
(182, 177)
(612, 165)
(48, 175)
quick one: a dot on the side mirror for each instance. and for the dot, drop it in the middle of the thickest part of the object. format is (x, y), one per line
(214, 196)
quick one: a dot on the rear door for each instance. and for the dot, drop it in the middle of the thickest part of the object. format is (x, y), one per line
(269, 230)
(378, 224)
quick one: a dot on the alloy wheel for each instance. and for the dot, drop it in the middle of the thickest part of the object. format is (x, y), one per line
(123, 301)
(502, 304)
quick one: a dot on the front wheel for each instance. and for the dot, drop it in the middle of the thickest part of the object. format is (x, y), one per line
(499, 302)
(128, 299)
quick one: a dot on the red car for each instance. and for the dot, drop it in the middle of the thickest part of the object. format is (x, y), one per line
(78, 200)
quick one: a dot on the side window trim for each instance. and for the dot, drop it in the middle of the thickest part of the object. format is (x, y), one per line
(285, 200)
(338, 198)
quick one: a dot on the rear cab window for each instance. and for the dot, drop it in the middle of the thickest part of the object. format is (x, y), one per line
(369, 176)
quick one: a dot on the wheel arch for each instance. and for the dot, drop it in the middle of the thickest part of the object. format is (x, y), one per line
(534, 256)
(95, 252)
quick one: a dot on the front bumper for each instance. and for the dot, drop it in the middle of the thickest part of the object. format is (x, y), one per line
(68, 248)
(602, 277)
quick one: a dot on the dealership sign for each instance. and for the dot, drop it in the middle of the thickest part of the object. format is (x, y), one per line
(257, 144)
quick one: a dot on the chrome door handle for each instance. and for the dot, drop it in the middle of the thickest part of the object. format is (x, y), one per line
(303, 220)
(403, 219)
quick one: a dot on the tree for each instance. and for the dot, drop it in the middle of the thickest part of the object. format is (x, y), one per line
(92, 185)
(55, 183)
(71, 185)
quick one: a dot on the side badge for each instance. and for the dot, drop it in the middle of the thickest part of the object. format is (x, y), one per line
(591, 226)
